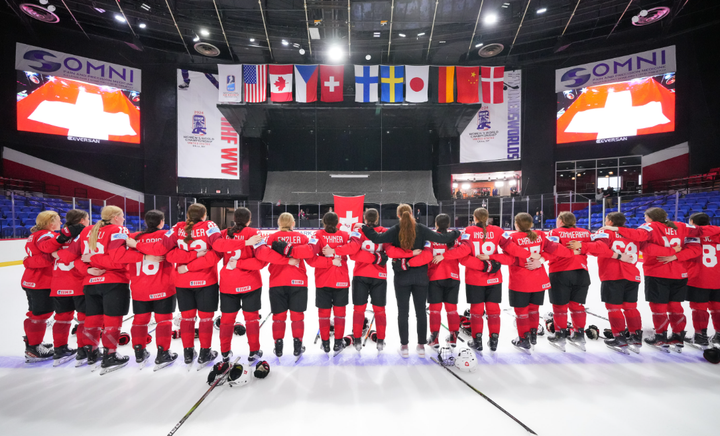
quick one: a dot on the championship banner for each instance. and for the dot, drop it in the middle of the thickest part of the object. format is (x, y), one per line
(208, 146)
(646, 64)
(349, 210)
(230, 83)
(56, 63)
(494, 132)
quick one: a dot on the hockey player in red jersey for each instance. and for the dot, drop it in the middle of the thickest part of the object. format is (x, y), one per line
(153, 291)
(285, 251)
(704, 283)
(240, 283)
(527, 285)
(665, 283)
(67, 288)
(620, 280)
(483, 279)
(37, 284)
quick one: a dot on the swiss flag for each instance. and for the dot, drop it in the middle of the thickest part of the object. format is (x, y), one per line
(281, 82)
(331, 82)
(349, 210)
(492, 84)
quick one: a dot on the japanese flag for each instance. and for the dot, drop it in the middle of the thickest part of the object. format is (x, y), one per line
(416, 83)
(349, 210)
(281, 77)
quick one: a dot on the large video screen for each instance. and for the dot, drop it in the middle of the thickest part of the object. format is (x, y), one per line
(616, 111)
(79, 110)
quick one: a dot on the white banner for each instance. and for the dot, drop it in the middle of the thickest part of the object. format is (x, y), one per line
(493, 134)
(646, 64)
(56, 63)
(208, 146)
(230, 83)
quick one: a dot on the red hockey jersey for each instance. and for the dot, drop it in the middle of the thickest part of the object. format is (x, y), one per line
(245, 277)
(474, 242)
(362, 251)
(281, 273)
(703, 270)
(150, 280)
(110, 238)
(522, 279)
(38, 265)
(328, 275)
(563, 235)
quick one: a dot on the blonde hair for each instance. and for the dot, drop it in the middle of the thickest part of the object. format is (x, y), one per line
(407, 227)
(286, 222)
(567, 218)
(107, 214)
(195, 214)
(481, 216)
(524, 221)
(44, 219)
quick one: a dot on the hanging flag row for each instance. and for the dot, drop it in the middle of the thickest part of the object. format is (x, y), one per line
(373, 83)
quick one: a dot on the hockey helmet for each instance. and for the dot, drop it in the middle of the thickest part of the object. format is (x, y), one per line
(445, 356)
(466, 361)
(238, 376)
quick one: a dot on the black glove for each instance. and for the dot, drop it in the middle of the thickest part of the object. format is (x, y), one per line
(380, 258)
(70, 232)
(282, 247)
(262, 369)
(217, 371)
(239, 329)
(404, 264)
(491, 266)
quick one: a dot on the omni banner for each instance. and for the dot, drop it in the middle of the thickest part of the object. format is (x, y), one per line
(494, 132)
(208, 145)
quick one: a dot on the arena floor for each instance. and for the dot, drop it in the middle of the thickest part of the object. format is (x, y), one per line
(600, 392)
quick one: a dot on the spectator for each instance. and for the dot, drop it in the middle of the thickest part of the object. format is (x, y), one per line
(599, 196)
(608, 195)
(537, 219)
(302, 215)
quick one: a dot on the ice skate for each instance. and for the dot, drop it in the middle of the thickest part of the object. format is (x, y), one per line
(557, 339)
(112, 362)
(635, 341)
(339, 346)
(62, 354)
(404, 351)
(420, 350)
(278, 350)
(206, 357)
(357, 343)
(325, 346)
(38, 353)
(255, 355)
(522, 344)
(700, 340)
(141, 355)
(93, 355)
(578, 340)
(433, 341)
(618, 343)
(226, 356)
(380, 345)
(80, 357)
(533, 337)
(164, 358)
(451, 339)
(715, 341)
(660, 342)
(493, 341)
(476, 343)
(677, 341)
(189, 354)
(298, 349)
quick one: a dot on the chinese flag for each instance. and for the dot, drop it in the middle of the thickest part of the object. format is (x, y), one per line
(349, 210)
(445, 84)
(468, 79)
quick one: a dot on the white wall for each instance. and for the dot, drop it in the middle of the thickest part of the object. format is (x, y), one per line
(12, 250)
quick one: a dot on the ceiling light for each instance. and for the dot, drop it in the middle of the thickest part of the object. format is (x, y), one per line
(541, 11)
(51, 8)
(441, 42)
(466, 186)
(101, 10)
(301, 51)
(491, 19)
(368, 57)
(421, 33)
(120, 18)
(376, 34)
(43, 2)
(196, 39)
(204, 32)
(314, 33)
(402, 35)
(505, 5)
(478, 45)
(145, 7)
(284, 42)
(142, 25)
(296, 45)
(336, 53)
(252, 39)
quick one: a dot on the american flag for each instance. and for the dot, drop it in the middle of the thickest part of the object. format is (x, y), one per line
(255, 79)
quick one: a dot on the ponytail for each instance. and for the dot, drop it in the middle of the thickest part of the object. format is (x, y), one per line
(195, 214)
(481, 216)
(568, 219)
(241, 218)
(330, 221)
(153, 218)
(659, 215)
(286, 222)
(524, 222)
(106, 215)
(407, 227)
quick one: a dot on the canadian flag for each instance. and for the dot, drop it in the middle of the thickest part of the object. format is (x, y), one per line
(349, 210)
(281, 82)
(492, 84)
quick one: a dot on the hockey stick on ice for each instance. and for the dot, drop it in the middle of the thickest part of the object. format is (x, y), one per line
(596, 315)
(222, 378)
(484, 396)
(445, 327)
(367, 334)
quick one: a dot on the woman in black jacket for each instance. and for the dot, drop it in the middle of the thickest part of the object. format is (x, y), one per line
(410, 280)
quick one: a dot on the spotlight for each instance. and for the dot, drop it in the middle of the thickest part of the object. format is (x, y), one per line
(368, 57)
(491, 19)
(284, 42)
(402, 35)
(478, 45)
(421, 33)
(100, 10)
(120, 18)
(51, 8)
(301, 51)
(541, 11)
(335, 53)
(252, 39)
(204, 32)
(196, 39)
(142, 25)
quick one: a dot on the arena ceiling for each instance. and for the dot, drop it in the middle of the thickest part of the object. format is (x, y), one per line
(435, 32)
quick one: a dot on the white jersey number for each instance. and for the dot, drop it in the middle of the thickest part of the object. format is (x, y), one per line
(709, 255)
(196, 245)
(369, 246)
(630, 249)
(149, 268)
(487, 247)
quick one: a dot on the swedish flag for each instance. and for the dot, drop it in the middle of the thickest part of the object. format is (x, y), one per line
(391, 83)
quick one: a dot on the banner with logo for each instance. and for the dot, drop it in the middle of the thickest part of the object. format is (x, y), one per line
(646, 64)
(56, 63)
(208, 145)
(230, 83)
(494, 132)
(349, 210)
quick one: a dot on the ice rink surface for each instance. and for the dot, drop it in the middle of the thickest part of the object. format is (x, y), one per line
(600, 392)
